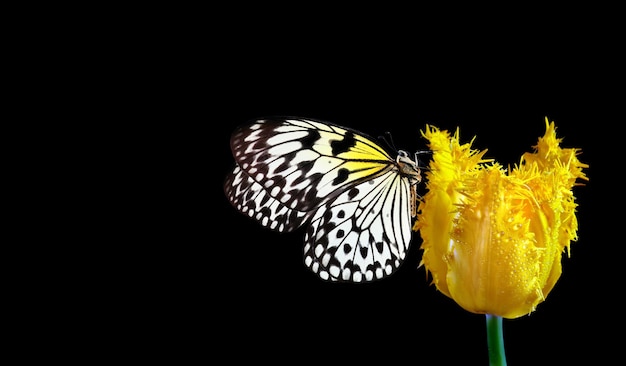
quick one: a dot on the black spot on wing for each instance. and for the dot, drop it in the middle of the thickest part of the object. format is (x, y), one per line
(327, 216)
(310, 197)
(342, 176)
(310, 139)
(343, 145)
(364, 251)
(305, 166)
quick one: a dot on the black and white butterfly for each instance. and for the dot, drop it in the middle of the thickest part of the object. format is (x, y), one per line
(359, 202)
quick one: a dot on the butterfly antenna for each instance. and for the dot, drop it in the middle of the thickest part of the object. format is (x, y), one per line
(388, 140)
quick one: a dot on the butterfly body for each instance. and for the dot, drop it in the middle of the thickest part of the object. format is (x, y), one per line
(358, 201)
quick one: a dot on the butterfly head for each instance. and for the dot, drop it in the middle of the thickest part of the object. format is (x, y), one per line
(408, 168)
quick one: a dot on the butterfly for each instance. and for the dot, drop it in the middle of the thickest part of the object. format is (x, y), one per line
(358, 201)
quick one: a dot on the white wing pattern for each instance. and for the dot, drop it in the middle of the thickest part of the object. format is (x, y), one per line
(358, 201)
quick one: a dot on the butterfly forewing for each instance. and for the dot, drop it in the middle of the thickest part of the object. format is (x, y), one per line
(356, 199)
(303, 163)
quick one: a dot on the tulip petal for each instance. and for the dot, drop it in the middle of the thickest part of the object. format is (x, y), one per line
(493, 239)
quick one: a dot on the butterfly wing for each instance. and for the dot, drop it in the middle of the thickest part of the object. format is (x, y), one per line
(253, 200)
(302, 163)
(364, 233)
(293, 171)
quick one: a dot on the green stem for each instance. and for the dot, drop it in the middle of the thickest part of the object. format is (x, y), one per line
(495, 341)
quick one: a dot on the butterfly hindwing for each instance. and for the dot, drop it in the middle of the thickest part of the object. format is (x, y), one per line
(363, 234)
(356, 199)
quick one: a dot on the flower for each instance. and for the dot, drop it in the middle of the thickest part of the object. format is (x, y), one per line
(493, 238)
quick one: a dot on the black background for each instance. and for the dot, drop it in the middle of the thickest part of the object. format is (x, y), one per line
(226, 287)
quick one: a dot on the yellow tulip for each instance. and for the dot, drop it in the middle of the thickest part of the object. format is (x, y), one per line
(493, 238)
